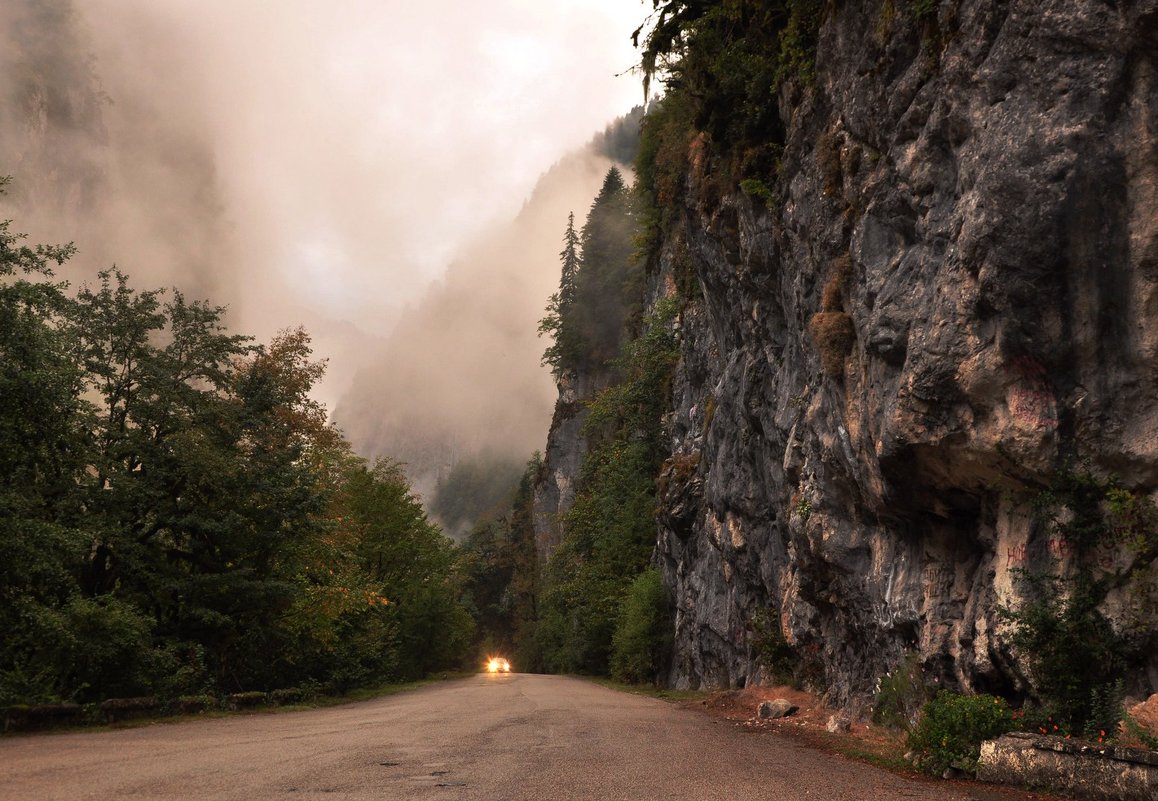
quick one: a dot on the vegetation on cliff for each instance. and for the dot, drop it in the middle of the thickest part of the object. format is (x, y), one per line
(609, 531)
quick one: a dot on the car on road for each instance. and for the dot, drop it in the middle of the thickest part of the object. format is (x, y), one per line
(497, 664)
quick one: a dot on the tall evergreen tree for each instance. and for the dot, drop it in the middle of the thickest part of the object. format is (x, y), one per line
(604, 292)
(569, 257)
(563, 353)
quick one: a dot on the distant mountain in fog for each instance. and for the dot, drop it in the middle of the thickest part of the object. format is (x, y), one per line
(460, 377)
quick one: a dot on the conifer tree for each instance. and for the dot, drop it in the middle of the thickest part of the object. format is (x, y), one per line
(604, 289)
(563, 353)
(569, 257)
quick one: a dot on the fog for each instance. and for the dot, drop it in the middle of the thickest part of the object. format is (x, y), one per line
(460, 376)
(325, 164)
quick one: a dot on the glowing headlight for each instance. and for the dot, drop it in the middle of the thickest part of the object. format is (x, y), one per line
(497, 664)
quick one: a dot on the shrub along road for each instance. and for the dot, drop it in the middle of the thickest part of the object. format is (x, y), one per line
(487, 737)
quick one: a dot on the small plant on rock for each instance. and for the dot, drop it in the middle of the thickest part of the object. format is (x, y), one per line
(901, 695)
(771, 646)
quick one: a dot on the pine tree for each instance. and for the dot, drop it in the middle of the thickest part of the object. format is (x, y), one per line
(563, 353)
(569, 257)
(604, 290)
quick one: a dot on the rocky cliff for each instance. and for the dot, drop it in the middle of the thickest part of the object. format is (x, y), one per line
(952, 290)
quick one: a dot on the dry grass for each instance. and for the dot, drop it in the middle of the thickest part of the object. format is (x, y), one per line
(828, 162)
(834, 335)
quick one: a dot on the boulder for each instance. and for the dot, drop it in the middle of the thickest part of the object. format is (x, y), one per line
(775, 709)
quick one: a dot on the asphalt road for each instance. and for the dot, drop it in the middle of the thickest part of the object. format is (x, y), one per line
(509, 737)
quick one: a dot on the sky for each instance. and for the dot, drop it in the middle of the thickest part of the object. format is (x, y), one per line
(362, 168)
(360, 143)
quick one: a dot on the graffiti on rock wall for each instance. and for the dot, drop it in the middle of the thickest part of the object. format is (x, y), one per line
(1031, 401)
(1017, 555)
(936, 575)
(1061, 550)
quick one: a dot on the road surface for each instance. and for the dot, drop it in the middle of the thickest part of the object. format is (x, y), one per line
(509, 737)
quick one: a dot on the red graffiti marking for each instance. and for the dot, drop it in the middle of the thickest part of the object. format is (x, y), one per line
(1059, 548)
(1016, 555)
(1033, 406)
(1031, 402)
(1107, 556)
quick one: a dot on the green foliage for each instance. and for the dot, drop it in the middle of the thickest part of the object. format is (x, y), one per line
(798, 41)
(17, 258)
(565, 351)
(952, 727)
(610, 528)
(756, 188)
(774, 653)
(1077, 660)
(177, 517)
(901, 695)
(804, 508)
(500, 571)
(611, 523)
(641, 645)
(661, 167)
(606, 286)
(923, 9)
(727, 60)
(1135, 730)
(410, 574)
(610, 533)
(619, 141)
(1074, 654)
(599, 280)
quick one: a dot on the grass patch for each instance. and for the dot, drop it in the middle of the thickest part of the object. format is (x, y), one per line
(888, 757)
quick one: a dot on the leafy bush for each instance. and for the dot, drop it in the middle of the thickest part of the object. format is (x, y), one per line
(642, 641)
(189, 704)
(902, 694)
(246, 699)
(923, 9)
(115, 709)
(288, 695)
(952, 727)
(26, 716)
(755, 188)
(1077, 660)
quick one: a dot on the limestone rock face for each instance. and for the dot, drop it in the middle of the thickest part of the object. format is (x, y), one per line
(554, 489)
(974, 206)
